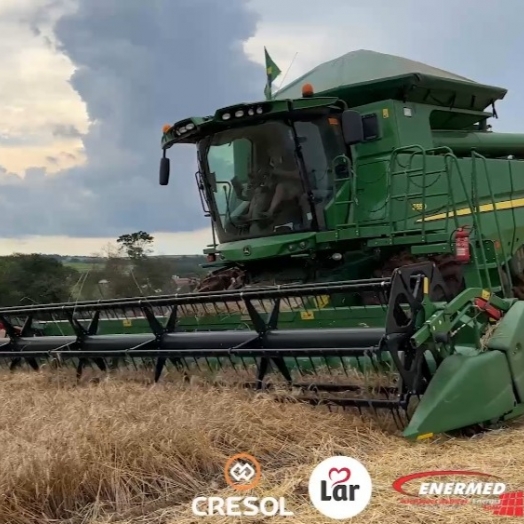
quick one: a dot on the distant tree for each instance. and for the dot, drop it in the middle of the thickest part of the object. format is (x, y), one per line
(136, 245)
(127, 269)
(34, 278)
(189, 266)
(155, 274)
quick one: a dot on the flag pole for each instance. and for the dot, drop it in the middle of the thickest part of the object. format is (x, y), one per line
(285, 74)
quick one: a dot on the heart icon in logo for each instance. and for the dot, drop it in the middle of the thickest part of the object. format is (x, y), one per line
(341, 474)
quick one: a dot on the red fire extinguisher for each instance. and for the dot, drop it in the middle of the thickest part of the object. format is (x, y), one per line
(462, 253)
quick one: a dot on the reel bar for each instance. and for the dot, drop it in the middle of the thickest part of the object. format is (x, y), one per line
(325, 386)
(277, 292)
(374, 403)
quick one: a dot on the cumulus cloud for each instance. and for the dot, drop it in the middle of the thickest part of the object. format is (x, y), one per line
(138, 65)
(34, 91)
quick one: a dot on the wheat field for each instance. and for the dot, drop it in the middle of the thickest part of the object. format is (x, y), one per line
(122, 450)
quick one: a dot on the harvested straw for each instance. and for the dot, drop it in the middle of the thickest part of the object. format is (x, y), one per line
(484, 340)
(128, 453)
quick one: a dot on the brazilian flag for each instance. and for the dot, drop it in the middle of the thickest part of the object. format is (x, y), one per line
(272, 72)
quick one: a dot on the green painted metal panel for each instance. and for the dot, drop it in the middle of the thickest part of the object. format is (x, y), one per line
(509, 339)
(365, 76)
(466, 389)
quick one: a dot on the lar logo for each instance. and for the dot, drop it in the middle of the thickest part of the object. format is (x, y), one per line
(340, 487)
(242, 472)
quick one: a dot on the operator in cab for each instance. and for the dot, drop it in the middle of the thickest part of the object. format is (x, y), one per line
(276, 192)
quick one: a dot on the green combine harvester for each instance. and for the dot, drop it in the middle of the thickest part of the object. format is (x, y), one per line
(369, 232)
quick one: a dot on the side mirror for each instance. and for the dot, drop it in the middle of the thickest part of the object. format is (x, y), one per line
(164, 171)
(352, 127)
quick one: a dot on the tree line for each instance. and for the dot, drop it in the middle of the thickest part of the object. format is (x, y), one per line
(126, 269)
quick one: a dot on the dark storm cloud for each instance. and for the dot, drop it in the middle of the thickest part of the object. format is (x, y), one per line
(139, 65)
(7, 177)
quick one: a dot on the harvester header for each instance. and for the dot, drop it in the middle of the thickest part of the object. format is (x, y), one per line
(368, 231)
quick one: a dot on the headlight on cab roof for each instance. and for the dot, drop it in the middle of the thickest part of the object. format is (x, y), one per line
(242, 112)
(183, 127)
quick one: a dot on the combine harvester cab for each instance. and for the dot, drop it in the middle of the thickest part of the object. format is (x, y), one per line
(367, 254)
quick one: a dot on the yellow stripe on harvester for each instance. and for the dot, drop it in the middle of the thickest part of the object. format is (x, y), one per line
(485, 208)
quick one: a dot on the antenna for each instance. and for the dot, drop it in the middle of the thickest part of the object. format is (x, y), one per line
(285, 74)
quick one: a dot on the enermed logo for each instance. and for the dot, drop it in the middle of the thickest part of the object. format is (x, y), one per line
(340, 487)
(242, 472)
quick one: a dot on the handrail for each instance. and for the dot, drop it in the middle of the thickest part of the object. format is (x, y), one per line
(475, 155)
(416, 150)
(451, 164)
(338, 185)
(454, 159)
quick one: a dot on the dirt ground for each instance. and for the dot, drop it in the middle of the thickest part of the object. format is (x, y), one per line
(125, 451)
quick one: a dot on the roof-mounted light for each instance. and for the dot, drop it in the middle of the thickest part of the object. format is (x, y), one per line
(166, 128)
(307, 90)
(185, 128)
(241, 111)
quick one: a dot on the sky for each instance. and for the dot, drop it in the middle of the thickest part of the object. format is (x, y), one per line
(87, 85)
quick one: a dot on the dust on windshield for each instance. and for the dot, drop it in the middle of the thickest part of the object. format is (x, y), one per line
(256, 182)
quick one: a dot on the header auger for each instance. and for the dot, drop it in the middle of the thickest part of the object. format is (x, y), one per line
(369, 235)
